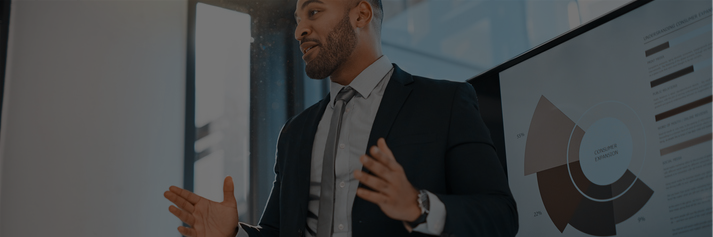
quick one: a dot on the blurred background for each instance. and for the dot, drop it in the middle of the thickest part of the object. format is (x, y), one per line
(106, 103)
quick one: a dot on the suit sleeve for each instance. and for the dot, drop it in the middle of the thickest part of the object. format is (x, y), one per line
(478, 200)
(269, 225)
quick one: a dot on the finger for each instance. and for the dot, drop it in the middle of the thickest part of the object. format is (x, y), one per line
(228, 189)
(184, 216)
(185, 194)
(179, 201)
(376, 167)
(381, 143)
(190, 232)
(371, 196)
(382, 153)
(393, 164)
(372, 181)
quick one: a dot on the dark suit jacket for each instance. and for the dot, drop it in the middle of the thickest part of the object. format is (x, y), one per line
(435, 131)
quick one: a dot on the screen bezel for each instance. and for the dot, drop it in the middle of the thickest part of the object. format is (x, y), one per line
(487, 84)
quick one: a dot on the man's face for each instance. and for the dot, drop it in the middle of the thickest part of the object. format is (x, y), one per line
(326, 36)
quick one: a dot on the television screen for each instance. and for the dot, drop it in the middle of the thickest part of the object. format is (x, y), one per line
(606, 130)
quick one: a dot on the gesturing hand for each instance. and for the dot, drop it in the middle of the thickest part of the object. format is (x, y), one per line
(394, 194)
(206, 218)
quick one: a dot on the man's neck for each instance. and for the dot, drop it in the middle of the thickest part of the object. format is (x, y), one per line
(356, 63)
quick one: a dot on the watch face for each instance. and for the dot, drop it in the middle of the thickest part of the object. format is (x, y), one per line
(423, 201)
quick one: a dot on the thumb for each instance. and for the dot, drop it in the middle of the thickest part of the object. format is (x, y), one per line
(228, 187)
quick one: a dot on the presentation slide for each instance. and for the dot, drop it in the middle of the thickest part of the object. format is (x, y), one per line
(609, 133)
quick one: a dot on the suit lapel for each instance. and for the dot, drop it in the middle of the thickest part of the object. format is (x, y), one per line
(301, 180)
(397, 91)
(309, 132)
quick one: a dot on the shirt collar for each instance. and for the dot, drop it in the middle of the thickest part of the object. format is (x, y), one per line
(366, 81)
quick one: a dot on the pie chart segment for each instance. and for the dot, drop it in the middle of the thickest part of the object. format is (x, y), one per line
(594, 218)
(559, 195)
(633, 200)
(548, 134)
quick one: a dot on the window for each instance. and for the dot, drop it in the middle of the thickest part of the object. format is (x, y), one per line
(222, 103)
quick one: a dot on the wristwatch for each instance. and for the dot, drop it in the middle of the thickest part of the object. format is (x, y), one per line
(424, 204)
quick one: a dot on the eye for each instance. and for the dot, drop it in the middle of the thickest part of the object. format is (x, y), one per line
(313, 12)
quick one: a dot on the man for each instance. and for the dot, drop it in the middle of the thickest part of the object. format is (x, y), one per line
(438, 175)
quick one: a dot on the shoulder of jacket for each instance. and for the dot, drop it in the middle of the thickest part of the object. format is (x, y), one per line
(438, 84)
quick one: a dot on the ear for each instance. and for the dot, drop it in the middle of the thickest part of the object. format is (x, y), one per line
(364, 14)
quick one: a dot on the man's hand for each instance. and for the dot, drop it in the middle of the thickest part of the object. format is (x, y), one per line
(394, 194)
(206, 218)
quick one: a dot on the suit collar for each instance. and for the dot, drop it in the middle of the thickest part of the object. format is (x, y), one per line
(404, 78)
(366, 81)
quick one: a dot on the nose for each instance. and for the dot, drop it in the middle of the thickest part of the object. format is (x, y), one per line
(301, 31)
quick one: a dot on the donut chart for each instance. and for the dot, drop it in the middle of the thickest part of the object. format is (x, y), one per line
(588, 179)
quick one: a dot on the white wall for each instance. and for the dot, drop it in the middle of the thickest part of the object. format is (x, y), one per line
(93, 112)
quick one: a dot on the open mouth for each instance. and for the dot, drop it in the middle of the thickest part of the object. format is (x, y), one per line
(307, 53)
(308, 49)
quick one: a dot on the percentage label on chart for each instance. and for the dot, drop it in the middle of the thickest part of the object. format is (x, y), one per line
(641, 218)
(520, 135)
(538, 213)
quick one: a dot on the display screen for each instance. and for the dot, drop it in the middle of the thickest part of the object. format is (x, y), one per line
(607, 131)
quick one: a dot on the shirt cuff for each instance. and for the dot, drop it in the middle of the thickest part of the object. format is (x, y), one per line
(241, 232)
(436, 217)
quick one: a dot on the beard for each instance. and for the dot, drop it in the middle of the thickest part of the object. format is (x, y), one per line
(340, 44)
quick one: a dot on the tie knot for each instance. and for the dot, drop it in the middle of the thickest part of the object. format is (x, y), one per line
(345, 94)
